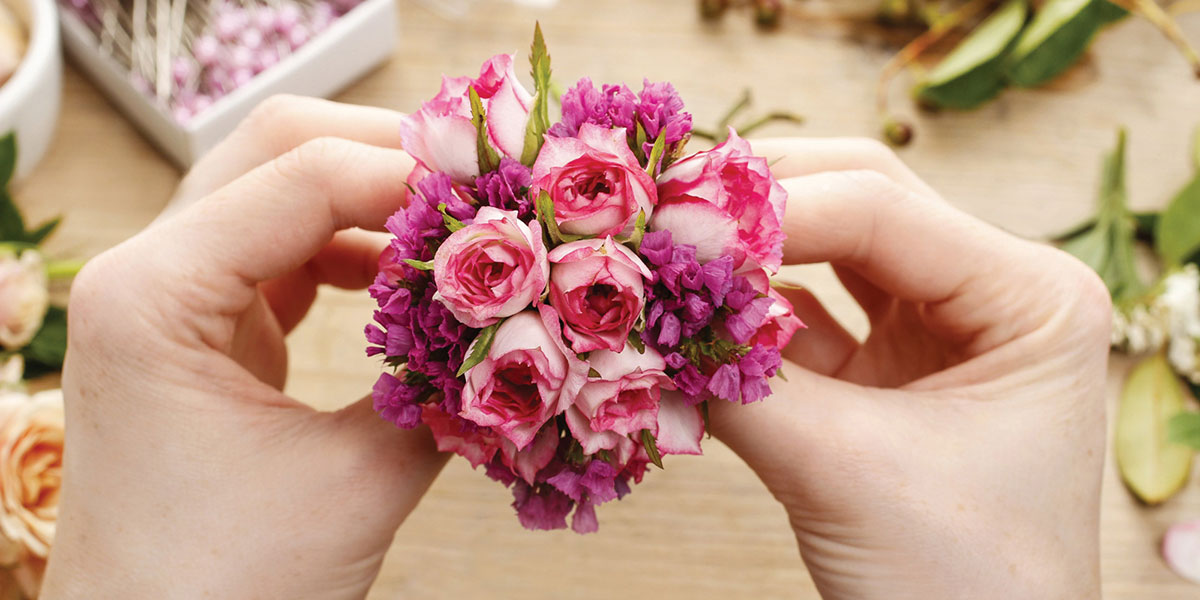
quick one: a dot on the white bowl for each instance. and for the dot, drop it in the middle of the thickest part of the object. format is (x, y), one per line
(29, 99)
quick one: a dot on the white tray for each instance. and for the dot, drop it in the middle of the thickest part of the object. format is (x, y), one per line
(347, 50)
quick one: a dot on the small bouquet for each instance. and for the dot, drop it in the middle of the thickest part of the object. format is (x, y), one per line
(561, 301)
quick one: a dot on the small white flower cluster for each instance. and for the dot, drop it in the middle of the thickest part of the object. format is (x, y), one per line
(1170, 319)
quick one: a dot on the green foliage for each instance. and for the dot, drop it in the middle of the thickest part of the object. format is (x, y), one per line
(489, 160)
(1184, 428)
(651, 446)
(48, 348)
(1059, 33)
(479, 348)
(1108, 246)
(539, 115)
(420, 265)
(973, 72)
(1177, 236)
(545, 215)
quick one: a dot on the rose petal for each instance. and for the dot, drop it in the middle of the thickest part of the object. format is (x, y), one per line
(680, 426)
(1181, 549)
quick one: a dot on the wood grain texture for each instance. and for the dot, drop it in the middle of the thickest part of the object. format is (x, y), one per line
(706, 527)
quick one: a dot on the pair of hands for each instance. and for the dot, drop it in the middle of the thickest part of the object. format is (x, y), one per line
(956, 452)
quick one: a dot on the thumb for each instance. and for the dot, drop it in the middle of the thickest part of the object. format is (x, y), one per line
(398, 465)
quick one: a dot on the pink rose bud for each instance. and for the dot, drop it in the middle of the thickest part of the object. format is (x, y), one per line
(493, 268)
(521, 383)
(597, 287)
(595, 181)
(724, 201)
(620, 402)
(441, 137)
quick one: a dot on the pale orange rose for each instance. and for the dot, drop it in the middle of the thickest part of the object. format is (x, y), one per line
(24, 297)
(31, 444)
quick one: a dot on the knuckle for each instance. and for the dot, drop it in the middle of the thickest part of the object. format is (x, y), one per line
(875, 152)
(92, 292)
(273, 114)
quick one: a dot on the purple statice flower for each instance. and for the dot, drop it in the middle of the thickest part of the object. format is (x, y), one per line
(613, 106)
(507, 188)
(659, 110)
(684, 295)
(540, 506)
(757, 366)
(412, 328)
(749, 310)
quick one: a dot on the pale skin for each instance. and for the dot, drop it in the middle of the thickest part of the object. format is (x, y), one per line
(955, 453)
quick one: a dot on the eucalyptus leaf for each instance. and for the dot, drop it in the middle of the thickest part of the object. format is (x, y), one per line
(973, 72)
(479, 348)
(1151, 465)
(1060, 32)
(1184, 429)
(1178, 232)
(8, 158)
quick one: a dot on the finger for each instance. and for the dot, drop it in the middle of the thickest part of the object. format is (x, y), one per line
(797, 157)
(875, 302)
(823, 346)
(272, 220)
(400, 464)
(917, 249)
(278, 125)
(350, 261)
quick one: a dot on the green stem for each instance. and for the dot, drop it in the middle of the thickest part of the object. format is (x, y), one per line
(769, 118)
(738, 107)
(63, 269)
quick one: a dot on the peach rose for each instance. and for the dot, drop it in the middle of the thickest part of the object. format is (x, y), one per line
(31, 445)
(24, 297)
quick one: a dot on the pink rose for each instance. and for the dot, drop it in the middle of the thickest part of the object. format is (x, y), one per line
(622, 401)
(528, 461)
(524, 381)
(493, 268)
(781, 323)
(724, 201)
(595, 181)
(441, 137)
(476, 444)
(680, 426)
(596, 286)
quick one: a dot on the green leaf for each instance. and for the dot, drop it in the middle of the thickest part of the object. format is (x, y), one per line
(420, 265)
(545, 214)
(1184, 428)
(593, 373)
(660, 146)
(635, 340)
(1196, 149)
(973, 72)
(539, 114)
(12, 224)
(1059, 33)
(639, 141)
(1108, 247)
(651, 446)
(489, 160)
(43, 231)
(704, 417)
(479, 348)
(1152, 467)
(1178, 232)
(639, 231)
(8, 158)
(451, 223)
(49, 346)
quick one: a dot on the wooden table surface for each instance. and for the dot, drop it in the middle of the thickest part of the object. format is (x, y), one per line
(706, 527)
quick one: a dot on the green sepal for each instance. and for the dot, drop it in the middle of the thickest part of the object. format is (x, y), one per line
(639, 141)
(43, 231)
(656, 153)
(489, 160)
(639, 232)
(420, 265)
(479, 348)
(635, 340)
(704, 417)
(451, 223)
(539, 114)
(651, 446)
(545, 215)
